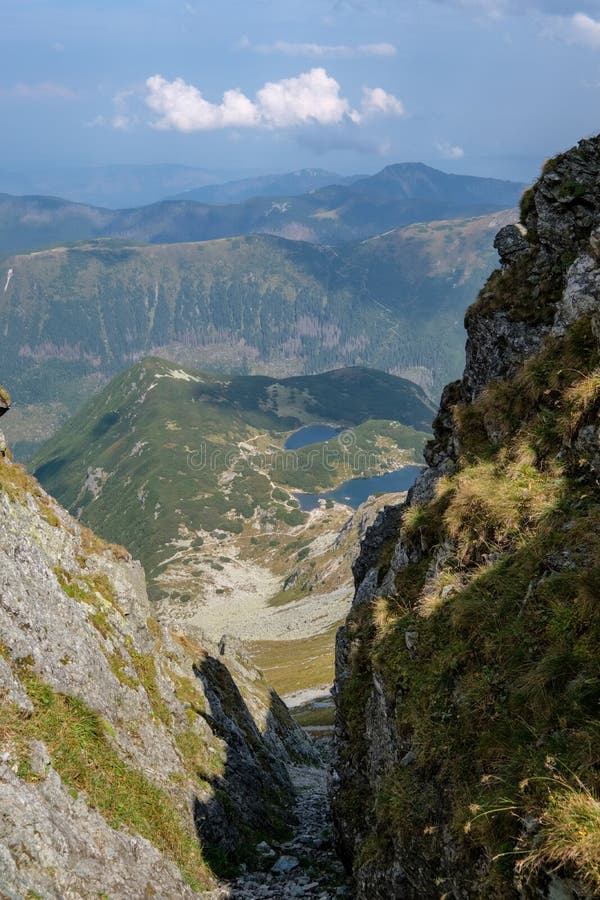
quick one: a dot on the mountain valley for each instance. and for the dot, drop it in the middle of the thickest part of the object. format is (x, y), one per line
(191, 470)
(74, 317)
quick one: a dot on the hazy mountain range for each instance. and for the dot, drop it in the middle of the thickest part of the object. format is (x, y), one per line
(114, 186)
(396, 196)
(290, 184)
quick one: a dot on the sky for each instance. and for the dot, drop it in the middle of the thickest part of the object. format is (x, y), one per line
(485, 87)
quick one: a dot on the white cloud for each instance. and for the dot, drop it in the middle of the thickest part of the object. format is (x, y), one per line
(121, 122)
(320, 51)
(578, 29)
(49, 90)
(313, 97)
(96, 122)
(449, 151)
(182, 107)
(376, 101)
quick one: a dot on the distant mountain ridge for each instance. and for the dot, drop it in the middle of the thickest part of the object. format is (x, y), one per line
(396, 196)
(289, 184)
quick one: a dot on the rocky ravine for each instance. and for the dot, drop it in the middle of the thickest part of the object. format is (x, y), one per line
(135, 761)
(467, 673)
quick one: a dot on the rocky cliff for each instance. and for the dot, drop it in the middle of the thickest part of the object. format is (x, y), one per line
(134, 761)
(468, 674)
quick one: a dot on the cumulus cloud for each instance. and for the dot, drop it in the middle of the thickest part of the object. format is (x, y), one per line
(182, 107)
(579, 29)
(313, 97)
(321, 51)
(449, 151)
(376, 101)
(48, 90)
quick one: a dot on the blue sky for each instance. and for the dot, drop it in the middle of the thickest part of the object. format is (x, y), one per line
(478, 86)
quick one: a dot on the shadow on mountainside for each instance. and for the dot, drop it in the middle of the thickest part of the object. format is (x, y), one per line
(253, 799)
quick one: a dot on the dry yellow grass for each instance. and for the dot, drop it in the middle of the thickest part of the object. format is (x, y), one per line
(570, 837)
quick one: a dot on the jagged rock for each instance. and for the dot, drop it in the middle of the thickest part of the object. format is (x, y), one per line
(581, 293)
(290, 581)
(496, 347)
(510, 242)
(384, 528)
(285, 864)
(565, 201)
(4, 400)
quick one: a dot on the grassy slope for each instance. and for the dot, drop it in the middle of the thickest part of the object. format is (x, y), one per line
(507, 634)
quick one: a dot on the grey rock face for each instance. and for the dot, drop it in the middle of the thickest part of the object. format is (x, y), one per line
(59, 847)
(383, 529)
(510, 242)
(496, 347)
(566, 199)
(74, 618)
(581, 293)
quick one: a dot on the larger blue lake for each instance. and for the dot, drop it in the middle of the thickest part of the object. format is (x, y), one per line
(357, 490)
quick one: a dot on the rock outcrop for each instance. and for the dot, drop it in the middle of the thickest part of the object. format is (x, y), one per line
(4, 400)
(134, 761)
(467, 677)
